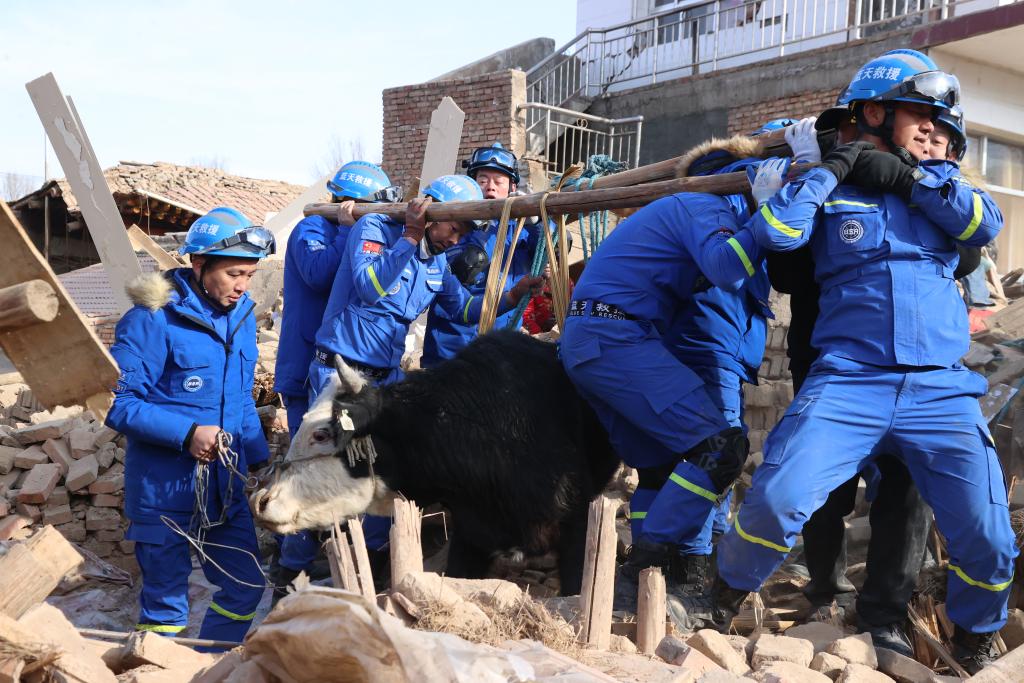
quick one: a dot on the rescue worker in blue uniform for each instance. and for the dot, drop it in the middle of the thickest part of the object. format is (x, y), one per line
(311, 260)
(389, 274)
(656, 410)
(891, 331)
(495, 169)
(187, 356)
(720, 335)
(900, 520)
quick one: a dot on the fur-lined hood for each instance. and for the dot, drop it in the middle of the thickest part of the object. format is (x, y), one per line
(152, 290)
(738, 147)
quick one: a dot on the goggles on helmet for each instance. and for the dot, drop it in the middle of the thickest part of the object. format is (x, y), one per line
(935, 86)
(392, 194)
(255, 236)
(491, 155)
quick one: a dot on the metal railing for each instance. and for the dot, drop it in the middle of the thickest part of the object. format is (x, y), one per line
(705, 36)
(562, 137)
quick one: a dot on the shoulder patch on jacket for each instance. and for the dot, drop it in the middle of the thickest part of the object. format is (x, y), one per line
(372, 247)
(151, 290)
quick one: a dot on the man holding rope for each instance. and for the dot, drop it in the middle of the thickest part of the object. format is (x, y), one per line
(187, 355)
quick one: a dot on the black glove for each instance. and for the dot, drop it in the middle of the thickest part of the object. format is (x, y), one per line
(883, 171)
(840, 160)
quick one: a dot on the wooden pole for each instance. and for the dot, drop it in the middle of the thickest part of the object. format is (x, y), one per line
(583, 201)
(27, 304)
(650, 613)
(143, 242)
(599, 573)
(406, 549)
(365, 574)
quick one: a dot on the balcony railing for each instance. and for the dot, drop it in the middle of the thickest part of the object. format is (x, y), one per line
(562, 137)
(706, 36)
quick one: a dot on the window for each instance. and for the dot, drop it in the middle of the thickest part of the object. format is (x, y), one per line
(1004, 164)
(683, 24)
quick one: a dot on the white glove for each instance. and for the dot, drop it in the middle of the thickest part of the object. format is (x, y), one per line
(802, 138)
(769, 178)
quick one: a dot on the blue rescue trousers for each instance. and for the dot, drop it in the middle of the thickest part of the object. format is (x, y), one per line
(928, 418)
(166, 563)
(654, 409)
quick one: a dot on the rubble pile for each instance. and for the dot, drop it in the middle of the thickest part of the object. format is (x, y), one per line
(64, 469)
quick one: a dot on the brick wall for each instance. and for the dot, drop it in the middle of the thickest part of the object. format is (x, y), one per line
(750, 117)
(104, 328)
(489, 102)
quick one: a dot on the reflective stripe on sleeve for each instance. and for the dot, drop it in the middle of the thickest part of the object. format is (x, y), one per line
(766, 213)
(742, 253)
(979, 210)
(465, 311)
(375, 281)
(638, 515)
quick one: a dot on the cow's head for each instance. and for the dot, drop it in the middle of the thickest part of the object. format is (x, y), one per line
(318, 482)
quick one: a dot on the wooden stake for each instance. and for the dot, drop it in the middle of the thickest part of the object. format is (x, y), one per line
(28, 303)
(650, 613)
(443, 138)
(143, 242)
(599, 573)
(583, 201)
(363, 571)
(343, 571)
(406, 549)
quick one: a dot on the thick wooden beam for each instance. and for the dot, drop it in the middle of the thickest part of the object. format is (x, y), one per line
(27, 303)
(84, 174)
(570, 203)
(650, 613)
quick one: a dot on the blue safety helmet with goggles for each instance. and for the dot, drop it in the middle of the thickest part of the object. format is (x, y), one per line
(456, 188)
(953, 118)
(227, 232)
(495, 157)
(897, 76)
(358, 180)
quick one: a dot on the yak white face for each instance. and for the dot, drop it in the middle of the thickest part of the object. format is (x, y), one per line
(312, 491)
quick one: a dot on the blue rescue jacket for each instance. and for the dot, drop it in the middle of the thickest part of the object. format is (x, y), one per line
(178, 369)
(315, 248)
(444, 336)
(382, 285)
(658, 258)
(888, 297)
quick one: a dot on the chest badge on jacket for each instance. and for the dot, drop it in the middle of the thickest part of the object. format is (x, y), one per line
(851, 231)
(192, 383)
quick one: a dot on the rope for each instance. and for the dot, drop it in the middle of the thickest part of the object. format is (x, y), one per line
(490, 296)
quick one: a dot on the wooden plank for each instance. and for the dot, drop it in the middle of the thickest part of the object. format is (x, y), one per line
(62, 361)
(650, 613)
(363, 570)
(339, 540)
(443, 138)
(406, 549)
(599, 573)
(84, 174)
(143, 242)
(30, 570)
(27, 303)
(282, 222)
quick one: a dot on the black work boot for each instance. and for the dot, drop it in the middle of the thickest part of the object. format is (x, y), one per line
(714, 610)
(642, 554)
(688, 574)
(973, 651)
(890, 636)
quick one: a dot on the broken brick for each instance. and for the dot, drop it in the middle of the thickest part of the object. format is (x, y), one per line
(12, 524)
(73, 530)
(81, 439)
(102, 518)
(54, 429)
(57, 514)
(82, 473)
(59, 454)
(28, 510)
(109, 535)
(30, 457)
(59, 496)
(111, 481)
(39, 483)
(7, 457)
(106, 500)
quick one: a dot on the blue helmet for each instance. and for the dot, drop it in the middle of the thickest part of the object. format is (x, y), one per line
(954, 119)
(227, 232)
(897, 76)
(358, 180)
(494, 157)
(774, 124)
(453, 188)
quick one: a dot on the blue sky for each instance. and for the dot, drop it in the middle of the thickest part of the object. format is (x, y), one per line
(264, 87)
